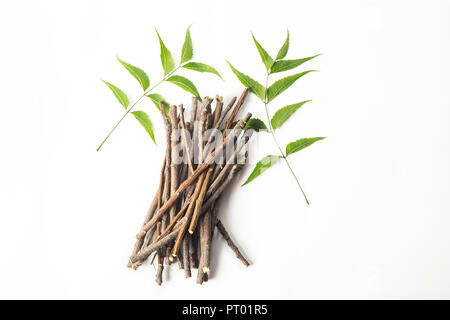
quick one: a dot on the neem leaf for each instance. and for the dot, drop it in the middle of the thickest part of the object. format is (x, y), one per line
(145, 121)
(187, 52)
(264, 164)
(166, 57)
(285, 113)
(284, 49)
(185, 84)
(137, 73)
(120, 95)
(301, 144)
(201, 67)
(284, 65)
(156, 98)
(254, 86)
(255, 124)
(265, 57)
(282, 84)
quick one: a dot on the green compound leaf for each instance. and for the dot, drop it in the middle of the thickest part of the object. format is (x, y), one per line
(255, 124)
(255, 87)
(284, 49)
(156, 98)
(145, 121)
(137, 73)
(301, 144)
(187, 52)
(185, 84)
(201, 67)
(166, 57)
(285, 113)
(282, 84)
(264, 164)
(285, 65)
(265, 57)
(120, 95)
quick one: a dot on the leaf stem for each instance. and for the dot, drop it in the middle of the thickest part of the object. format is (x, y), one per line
(139, 99)
(266, 103)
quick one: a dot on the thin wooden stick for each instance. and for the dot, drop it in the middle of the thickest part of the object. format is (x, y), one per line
(144, 253)
(193, 258)
(205, 239)
(199, 202)
(231, 244)
(174, 157)
(217, 110)
(225, 112)
(236, 110)
(188, 215)
(186, 260)
(244, 140)
(160, 268)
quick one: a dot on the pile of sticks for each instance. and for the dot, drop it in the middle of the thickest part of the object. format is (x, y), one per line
(196, 171)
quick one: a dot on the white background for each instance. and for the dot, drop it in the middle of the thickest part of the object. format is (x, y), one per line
(378, 224)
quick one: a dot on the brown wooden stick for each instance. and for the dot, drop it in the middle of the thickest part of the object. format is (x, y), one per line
(174, 157)
(186, 261)
(217, 110)
(176, 218)
(144, 253)
(215, 184)
(205, 239)
(188, 215)
(231, 244)
(187, 148)
(199, 201)
(236, 109)
(216, 194)
(193, 258)
(194, 109)
(160, 268)
(225, 112)
(208, 161)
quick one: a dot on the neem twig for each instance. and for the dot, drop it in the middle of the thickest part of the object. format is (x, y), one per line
(144, 253)
(235, 110)
(186, 260)
(225, 112)
(199, 202)
(231, 244)
(205, 239)
(217, 110)
(174, 156)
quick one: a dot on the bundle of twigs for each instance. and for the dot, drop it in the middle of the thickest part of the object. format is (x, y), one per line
(196, 171)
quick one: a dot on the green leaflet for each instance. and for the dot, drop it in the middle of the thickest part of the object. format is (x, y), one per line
(285, 113)
(201, 67)
(284, 49)
(264, 164)
(265, 57)
(282, 84)
(166, 57)
(187, 52)
(255, 124)
(185, 84)
(284, 65)
(137, 73)
(145, 121)
(156, 98)
(254, 86)
(120, 95)
(301, 144)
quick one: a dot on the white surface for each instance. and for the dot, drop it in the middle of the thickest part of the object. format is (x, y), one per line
(378, 225)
